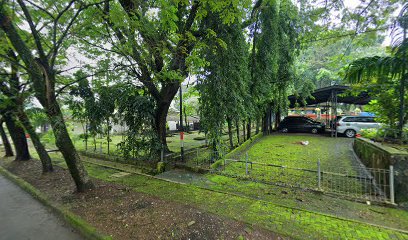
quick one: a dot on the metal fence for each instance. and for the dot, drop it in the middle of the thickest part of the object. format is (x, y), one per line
(197, 157)
(371, 184)
(356, 182)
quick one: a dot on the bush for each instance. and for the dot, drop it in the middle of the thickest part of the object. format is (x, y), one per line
(371, 133)
(384, 134)
(48, 137)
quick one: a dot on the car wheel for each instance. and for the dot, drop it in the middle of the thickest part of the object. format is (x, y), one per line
(314, 130)
(350, 133)
(284, 130)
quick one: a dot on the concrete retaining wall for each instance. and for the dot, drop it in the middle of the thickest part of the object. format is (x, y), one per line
(376, 155)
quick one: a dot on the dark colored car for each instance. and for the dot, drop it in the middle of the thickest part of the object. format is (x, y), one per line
(301, 124)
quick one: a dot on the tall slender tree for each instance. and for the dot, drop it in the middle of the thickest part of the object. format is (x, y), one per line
(223, 85)
(50, 23)
(11, 88)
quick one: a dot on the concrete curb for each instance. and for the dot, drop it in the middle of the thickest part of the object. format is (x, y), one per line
(84, 228)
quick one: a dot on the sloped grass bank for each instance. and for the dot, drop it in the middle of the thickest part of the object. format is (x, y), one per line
(283, 220)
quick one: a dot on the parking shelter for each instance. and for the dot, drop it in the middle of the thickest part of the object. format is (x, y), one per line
(330, 97)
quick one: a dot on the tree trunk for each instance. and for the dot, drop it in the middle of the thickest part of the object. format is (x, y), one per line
(43, 82)
(94, 142)
(237, 125)
(19, 139)
(160, 123)
(257, 125)
(39, 147)
(270, 127)
(186, 125)
(249, 129)
(243, 131)
(266, 121)
(86, 136)
(277, 119)
(230, 132)
(6, 143)
(67, 148)
(108, 134)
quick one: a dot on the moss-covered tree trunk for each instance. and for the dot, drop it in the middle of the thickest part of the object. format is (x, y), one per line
(163, 101)
(42, 73)
(108, 126)
(249, 129)
(237, 126)
(229, 122)
(6, 143)
(243, 131)
(258, 123)
(39, 147)
(19, 139)
(67, 148)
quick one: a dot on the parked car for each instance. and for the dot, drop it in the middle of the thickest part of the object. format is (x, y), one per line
(351, 125)
(300, 124)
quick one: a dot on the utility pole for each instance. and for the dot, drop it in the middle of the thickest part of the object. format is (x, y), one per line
(181, 125)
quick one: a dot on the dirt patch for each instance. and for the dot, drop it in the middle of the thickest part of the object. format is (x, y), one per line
(125, 214)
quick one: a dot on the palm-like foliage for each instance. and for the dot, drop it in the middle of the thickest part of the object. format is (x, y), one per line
(381, 70)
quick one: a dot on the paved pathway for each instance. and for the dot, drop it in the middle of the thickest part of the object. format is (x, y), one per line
(22, 217)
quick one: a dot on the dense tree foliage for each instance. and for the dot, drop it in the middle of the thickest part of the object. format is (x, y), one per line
(133, 56)
(387, 76)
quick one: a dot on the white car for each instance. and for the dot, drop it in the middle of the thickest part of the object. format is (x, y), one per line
(351, 125)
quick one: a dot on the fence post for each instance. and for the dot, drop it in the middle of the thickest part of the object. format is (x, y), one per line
(319, 175)
(100, 147)
(246, 163)
(392, 194)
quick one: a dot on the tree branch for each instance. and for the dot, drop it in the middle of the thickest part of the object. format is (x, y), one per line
(34, 31)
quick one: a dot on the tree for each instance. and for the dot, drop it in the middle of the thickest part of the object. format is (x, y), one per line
(223, 84)
(387, 70)
(159, 42)
(12, 89)
(274, 47)
(7, 147)
(17, 135)
(49, 28)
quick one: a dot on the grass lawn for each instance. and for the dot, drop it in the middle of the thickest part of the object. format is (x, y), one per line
(269, 213)
(286, 149)
(282, 159)
(334, 154)
(173, 142)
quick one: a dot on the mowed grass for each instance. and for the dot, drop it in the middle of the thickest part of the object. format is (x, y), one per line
(288, 150)
(282, 160)
(193, 139)
(274, 213)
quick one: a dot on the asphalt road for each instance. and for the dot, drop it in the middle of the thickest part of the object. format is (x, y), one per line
(22, 217)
